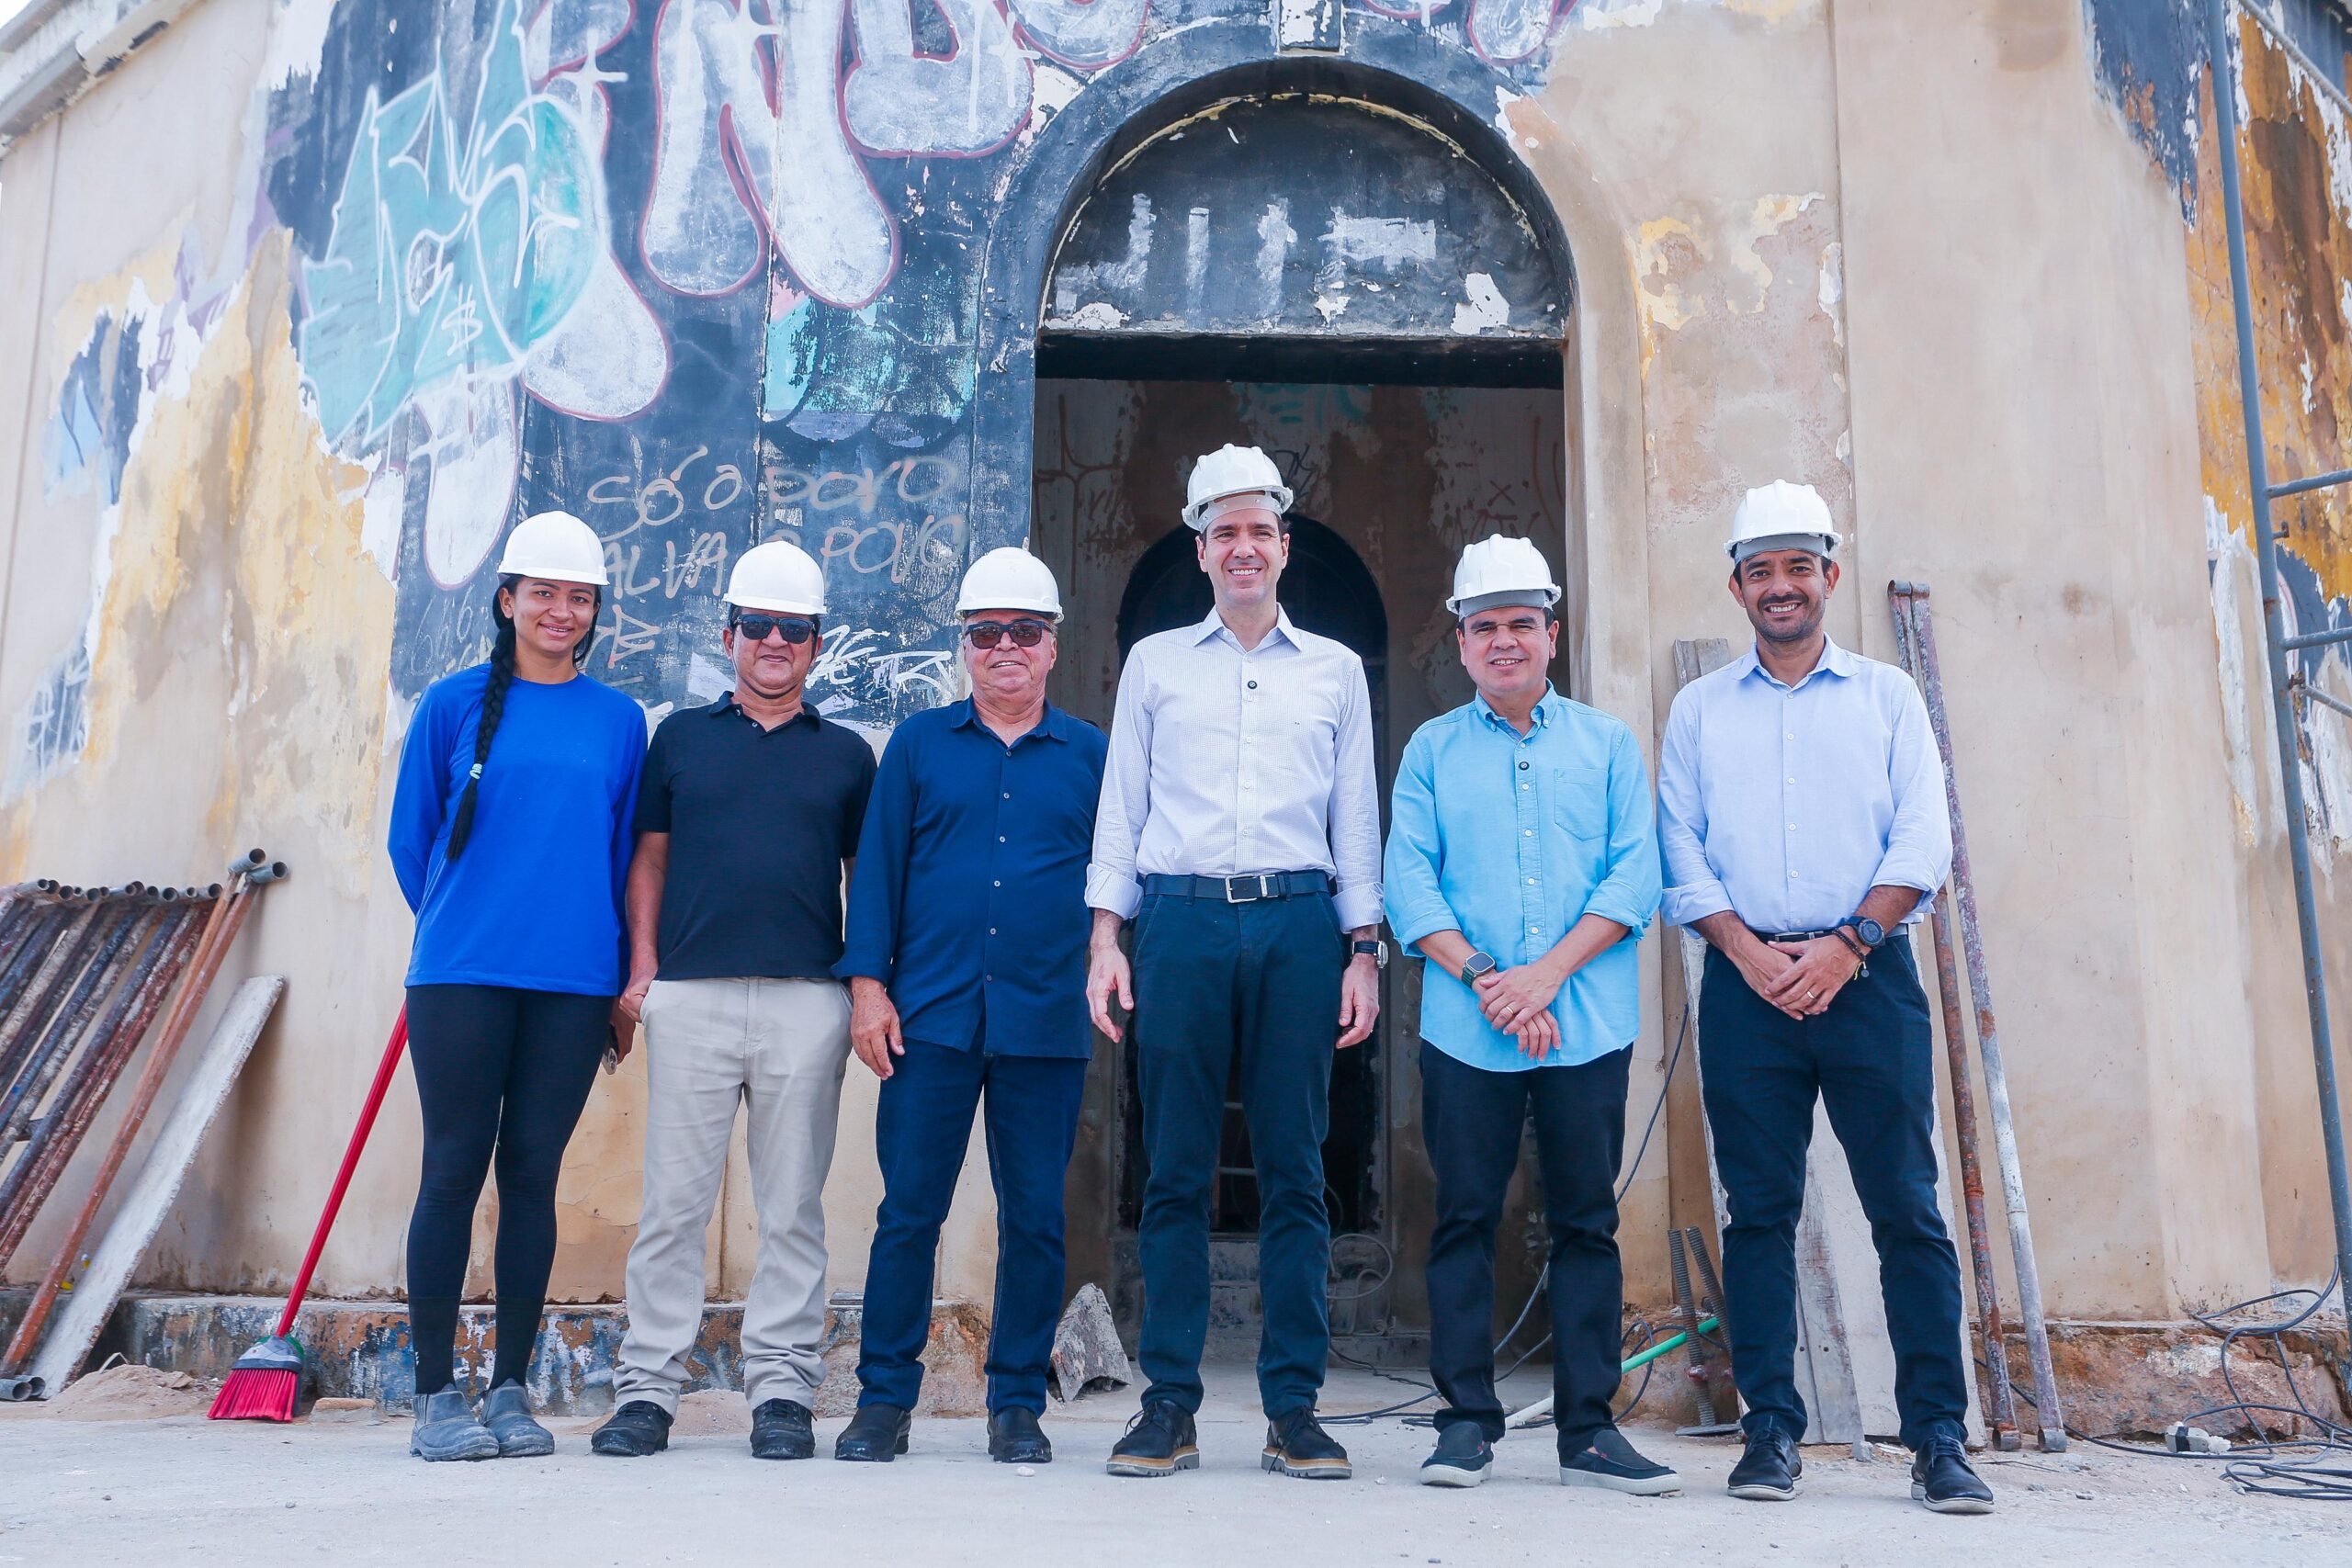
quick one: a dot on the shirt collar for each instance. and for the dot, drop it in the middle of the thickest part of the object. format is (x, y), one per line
(1214, 623)
(726, 704)
(1835, 660)
(1053, 723)
(1548, 708)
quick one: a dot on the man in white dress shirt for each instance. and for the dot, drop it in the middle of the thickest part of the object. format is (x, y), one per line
(1240, 828)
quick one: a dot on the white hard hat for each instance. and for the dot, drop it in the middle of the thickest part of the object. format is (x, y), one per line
(555, 546)
(1500, 571)
(1780, 517)
(1010, 578)
(1232, 470)
(778, 577)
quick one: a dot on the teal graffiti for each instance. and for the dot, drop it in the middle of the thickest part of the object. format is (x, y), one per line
(454, 247)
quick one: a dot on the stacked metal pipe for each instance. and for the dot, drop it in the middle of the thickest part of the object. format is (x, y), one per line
(84, 972)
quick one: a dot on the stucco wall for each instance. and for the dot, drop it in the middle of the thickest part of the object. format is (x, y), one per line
(1954, 266)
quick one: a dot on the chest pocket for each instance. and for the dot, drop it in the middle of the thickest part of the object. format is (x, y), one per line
(1580, 802)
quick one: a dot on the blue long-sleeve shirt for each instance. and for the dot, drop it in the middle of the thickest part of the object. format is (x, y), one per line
(535, 902)
(1511, 839)
(1787, 803)
(968, 900)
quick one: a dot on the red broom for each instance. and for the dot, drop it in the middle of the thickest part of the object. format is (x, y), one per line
(268, 1379)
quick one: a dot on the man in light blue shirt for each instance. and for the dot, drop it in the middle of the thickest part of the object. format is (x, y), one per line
(1801, 812)
(1520, 864)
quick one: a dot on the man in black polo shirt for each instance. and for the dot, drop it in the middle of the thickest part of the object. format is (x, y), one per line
(747, 819)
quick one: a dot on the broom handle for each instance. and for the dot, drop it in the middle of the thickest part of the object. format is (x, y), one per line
(384, 1069)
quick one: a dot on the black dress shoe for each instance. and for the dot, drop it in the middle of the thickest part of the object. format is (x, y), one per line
(1297, 1445)
(780, 1429)
(876, 1435)
(1462, 1457)
(636, 1429)
(1160, 1441)
(1607, 1460)
(1767, 1471)
(1015, 1437)
(1940, 1477)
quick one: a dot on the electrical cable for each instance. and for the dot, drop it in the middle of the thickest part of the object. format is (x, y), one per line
(2314, 1469)
(1535, 1292)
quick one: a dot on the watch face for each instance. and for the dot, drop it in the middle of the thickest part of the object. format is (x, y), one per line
(1873, 933)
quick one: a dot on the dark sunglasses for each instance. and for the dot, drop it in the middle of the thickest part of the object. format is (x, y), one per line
(797, 629)
(987, 634)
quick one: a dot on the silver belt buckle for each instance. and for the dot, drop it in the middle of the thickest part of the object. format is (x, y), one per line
(1232, 882)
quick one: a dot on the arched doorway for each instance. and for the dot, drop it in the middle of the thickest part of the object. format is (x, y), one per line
(1308, 258)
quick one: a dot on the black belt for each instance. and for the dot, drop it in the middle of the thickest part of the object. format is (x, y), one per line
(1791, 936)
(1241, 890)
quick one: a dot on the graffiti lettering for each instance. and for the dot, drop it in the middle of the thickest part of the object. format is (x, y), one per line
(914, 480)
(895, 548)
(662, 500)
(863, 659)
(759, 132)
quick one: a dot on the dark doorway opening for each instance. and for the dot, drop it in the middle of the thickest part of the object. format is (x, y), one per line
(1325, 588)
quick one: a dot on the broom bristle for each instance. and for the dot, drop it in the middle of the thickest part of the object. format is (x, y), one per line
(258, 1394)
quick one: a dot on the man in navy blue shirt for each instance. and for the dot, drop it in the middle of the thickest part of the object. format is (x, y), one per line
(966, 957)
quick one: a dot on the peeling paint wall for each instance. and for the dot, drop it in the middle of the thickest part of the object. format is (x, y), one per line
(720, 271)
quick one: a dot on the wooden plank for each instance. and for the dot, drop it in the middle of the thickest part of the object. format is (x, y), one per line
(150, 1197)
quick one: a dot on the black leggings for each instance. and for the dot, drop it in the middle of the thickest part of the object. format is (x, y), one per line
(500, 1072)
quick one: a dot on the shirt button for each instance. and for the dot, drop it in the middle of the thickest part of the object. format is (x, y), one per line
(1792, 828)
(999, 838)
(995, 885)
(991, 930)
(1007, 793)
(1788, 737)
(1524, 785)
(1535, 930)
(1009, 797)
(1530, 882)
(1253, 685)
(1523, 768)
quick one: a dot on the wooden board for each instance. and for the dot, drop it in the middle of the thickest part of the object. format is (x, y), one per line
(150, 1197)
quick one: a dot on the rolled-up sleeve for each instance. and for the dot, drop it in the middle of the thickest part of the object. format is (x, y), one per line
(1416, 906)
(1630, 886)
(1692, 890)
(1354, 824)
(1111, 880)
(1919, 841)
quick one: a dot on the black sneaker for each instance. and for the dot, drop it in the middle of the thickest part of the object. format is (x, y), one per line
(876, 1435)
(780, 1429)
(1297, 1445)
(636, 1429)
(1461, 1459)
(1940, 1477)
(1160, 1441)
(1767, 1471)
(1609, 1461)
(1015, 1437)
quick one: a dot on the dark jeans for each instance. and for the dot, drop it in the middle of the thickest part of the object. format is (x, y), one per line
(1870, 1060)
(1212, 980)
(920, 1133)
(1471, 1119)
(502, 1074)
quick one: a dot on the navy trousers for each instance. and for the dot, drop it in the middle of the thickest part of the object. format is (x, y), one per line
(1870, 1060)
(1214, 982)
(1470, 1119)
(920, 1131)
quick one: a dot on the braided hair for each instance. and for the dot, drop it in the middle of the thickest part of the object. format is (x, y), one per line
(494, 706)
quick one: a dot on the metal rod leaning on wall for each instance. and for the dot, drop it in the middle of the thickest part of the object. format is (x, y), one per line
(2220, 79)
(250, 873)
(46, 915)
(63, 1132)
(68, 1027)
(2000, 1403)
(2048, 1411)
(32, 1000)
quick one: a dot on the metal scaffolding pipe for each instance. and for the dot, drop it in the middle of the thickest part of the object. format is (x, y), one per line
(2220, 79)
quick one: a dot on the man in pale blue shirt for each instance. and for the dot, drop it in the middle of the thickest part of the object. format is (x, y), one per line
(1800, 809)
(1522, 865)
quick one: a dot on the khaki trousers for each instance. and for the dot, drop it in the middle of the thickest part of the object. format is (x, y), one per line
(776, 1047)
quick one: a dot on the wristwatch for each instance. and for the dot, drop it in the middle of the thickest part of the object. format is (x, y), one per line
(1476, 966)
(1377, 949)
(1870, 930)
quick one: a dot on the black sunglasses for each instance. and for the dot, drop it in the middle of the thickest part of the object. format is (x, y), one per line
(987, 634)
(797, 629)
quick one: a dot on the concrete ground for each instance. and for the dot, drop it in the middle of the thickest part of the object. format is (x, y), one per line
(179, 1489)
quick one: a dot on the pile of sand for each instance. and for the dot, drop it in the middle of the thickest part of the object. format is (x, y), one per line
(132, 1393)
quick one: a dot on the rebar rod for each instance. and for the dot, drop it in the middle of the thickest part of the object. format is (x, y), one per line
(2047, 1408)
(32, 1000)
(66, 1025)
(2219, 78)
(2000, 1404)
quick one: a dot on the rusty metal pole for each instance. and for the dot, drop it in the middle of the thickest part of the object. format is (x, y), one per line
(2274, 644)
(2049, 1411)
(62, 1131)
(2000, 1403)
(64, 955)
(220, 931)
(66, 1026)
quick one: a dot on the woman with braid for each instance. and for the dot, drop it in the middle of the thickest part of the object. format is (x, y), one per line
(511, 838)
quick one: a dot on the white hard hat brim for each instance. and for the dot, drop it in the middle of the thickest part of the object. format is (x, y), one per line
(775, 606)
(1533, 598)
(1197, 515)
(1821, 545)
